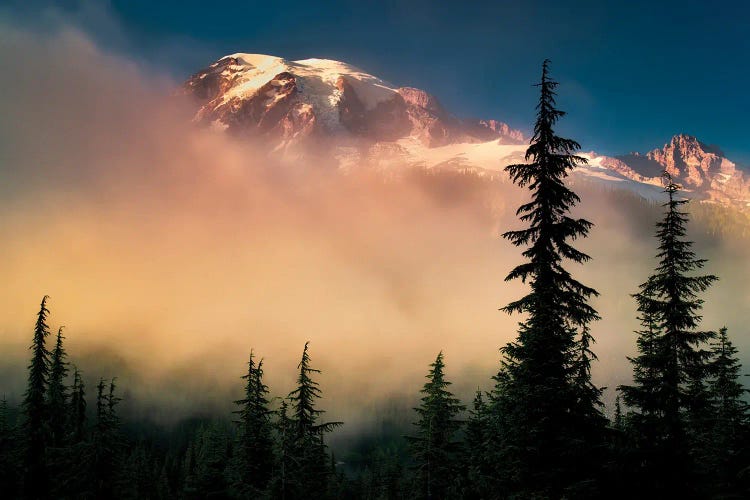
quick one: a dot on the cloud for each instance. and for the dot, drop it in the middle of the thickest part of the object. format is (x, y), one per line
(169, 251)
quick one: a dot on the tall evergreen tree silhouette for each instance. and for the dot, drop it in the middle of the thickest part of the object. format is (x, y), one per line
(284, 483)
(106, 446)
(617, 421)
(310, 465)
(644, 401)
(76, 463)
(730, 435)
(57, 393)
(254, 454)
(435, 449)
(547, 383)
(673, 358)
(77, 418)
(476, 455)
(36, 481)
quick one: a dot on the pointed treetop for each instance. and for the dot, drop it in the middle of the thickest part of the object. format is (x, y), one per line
(59, 342)
(41, 320)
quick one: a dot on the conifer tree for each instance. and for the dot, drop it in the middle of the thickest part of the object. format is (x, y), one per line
(475, 448)
(57, 393)
(77, 408)
(644, 419)
(551, 413)
(75, 463)
(589, 408)
(106, 445)
(617, 421)
(254, 454)
(310, 460)
(726, 389)
(35, 410)
(671, 367)
(112, 401)
(434, 448)
(731, 411)
(283, 482)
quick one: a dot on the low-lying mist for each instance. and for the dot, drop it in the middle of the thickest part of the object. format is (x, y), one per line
(169, 251)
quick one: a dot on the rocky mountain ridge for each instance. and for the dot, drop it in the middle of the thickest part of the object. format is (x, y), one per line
(363, 119)
(252, 94)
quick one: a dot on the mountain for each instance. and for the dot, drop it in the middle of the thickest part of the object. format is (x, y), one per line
(364, 120)
(702, 169)
(264, 95)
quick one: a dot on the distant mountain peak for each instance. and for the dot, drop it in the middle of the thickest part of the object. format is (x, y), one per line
(364, 120)
(687, 144)
(292, 101)
(692, 162)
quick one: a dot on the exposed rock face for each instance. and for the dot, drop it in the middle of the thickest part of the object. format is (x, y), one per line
(694, 163)
(429, 121)
(366, 120)
(697, 167)
(291, 100)
(272, 109)
(492, 129)
(213, 81)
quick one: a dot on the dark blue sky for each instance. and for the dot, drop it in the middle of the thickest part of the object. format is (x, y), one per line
(632, 73)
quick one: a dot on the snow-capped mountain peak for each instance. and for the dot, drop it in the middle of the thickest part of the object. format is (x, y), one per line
(363, 119)
(292, 100)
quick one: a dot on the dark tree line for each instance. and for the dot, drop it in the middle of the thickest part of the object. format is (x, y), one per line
(64, 450)
(680, 429)
(53, 451)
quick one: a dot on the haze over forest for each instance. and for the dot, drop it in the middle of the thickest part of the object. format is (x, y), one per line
(169, 250)
(176, 233)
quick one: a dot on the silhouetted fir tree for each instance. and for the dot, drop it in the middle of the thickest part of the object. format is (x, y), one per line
(729, 436)
(61, 456)
(57, 394)
(549, 395)
(589, 420)
(104, 452)
(699, 418)
(644, 418)
(283, 481)
(671, 366)
(617, 421)
(590, 407)
(35, 430)
(77, 418)
(476, 441)
(74, 463)
(643, 398)
(435, 449)
(619, 463)
(310, 459)
(254, 458)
